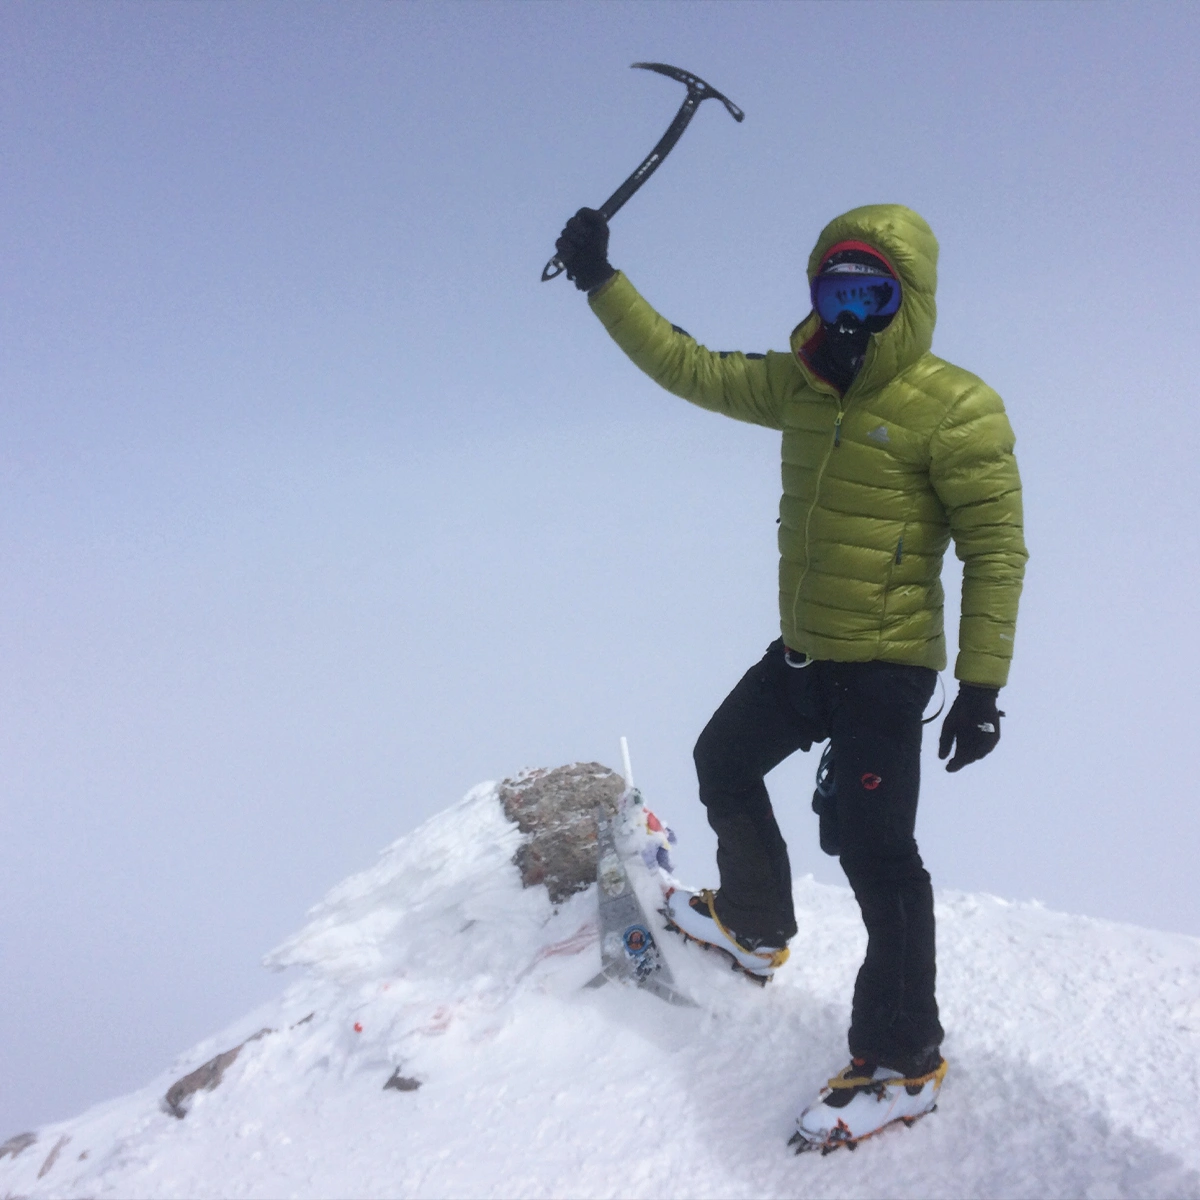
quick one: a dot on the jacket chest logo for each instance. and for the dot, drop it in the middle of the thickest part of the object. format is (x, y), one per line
(880, 435)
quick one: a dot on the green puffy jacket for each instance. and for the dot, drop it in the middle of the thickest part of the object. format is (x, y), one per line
(876, 482)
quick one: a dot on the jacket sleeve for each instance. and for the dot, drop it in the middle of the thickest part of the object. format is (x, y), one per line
(735, 384)
(974, 473)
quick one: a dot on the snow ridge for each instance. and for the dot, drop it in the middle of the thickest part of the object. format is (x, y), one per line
(1073, 1056)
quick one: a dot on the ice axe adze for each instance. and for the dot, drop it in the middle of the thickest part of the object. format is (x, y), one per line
(698, 90)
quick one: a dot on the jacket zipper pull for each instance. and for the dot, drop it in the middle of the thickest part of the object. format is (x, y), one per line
(837, 428)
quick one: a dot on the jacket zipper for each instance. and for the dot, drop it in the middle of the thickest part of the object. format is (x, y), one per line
(837, 441)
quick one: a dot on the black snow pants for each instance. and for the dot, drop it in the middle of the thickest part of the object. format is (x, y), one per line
(871, 712)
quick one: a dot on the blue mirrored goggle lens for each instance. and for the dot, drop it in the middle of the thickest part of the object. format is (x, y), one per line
(863, 295)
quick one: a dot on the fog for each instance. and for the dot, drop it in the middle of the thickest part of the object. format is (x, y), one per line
(317, 508)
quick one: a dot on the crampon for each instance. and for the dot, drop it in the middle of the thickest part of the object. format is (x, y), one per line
(693, 917)
(862, 1101)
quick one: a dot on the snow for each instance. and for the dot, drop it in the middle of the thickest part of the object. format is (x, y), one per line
(1073, 1047)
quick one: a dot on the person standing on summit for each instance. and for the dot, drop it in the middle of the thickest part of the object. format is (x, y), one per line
(888, 453)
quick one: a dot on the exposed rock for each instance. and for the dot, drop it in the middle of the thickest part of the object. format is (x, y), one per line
(401, 1083)
(17, 1143)
(52, 1157)
(205, 1077)
(556, 809)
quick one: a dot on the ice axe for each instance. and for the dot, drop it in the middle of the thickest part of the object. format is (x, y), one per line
(697, 90)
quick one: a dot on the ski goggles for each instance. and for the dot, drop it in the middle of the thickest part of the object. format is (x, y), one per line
(864, 292)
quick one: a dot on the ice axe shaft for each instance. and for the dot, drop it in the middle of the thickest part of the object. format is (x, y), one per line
(698, 91)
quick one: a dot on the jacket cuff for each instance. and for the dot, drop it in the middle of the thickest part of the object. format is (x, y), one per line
(611, 296)
(981, 670)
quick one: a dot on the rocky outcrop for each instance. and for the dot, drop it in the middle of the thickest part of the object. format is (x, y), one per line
(17, 1143)
(556, 810)
(401, 1083)
(52, 1157)
(203, 1078)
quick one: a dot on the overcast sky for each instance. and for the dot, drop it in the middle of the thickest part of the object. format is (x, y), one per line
(317, 508)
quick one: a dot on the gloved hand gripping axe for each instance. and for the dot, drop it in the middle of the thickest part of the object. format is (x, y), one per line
(698, 90)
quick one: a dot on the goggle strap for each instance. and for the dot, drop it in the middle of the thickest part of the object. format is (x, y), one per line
(864, 248)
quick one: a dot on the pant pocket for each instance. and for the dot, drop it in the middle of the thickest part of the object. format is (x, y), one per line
(824, 804)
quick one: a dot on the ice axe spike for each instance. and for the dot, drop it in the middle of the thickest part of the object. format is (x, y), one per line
(698, 91)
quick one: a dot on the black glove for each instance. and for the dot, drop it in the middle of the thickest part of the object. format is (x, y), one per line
(583, 250)
(973, 722)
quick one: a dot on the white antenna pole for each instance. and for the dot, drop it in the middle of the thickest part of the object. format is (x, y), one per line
(628, 764)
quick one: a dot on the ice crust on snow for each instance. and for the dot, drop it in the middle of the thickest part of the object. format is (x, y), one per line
(1073, 1047)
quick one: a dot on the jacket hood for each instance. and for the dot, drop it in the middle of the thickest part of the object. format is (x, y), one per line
(907, 242)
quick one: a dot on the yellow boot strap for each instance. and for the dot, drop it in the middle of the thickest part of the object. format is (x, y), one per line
(852, 1081)
(775, 959)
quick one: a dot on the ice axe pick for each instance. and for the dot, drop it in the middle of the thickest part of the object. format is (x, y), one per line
(697, 90)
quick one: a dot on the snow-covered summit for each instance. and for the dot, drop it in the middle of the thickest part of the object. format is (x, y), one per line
(439, 1042)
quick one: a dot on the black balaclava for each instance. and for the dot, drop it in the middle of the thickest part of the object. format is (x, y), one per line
(841, 351)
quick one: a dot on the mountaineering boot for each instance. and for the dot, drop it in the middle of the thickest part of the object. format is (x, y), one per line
(694, 916)
(865, 1098)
